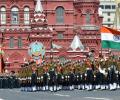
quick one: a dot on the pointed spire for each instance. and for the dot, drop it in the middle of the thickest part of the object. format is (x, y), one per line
(38, 7)
(100, 12)
(76, 43)
(39, 21)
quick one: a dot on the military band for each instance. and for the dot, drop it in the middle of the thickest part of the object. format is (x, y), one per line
(9, 82)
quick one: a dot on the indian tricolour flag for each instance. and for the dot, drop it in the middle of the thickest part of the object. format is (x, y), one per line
(110, 38)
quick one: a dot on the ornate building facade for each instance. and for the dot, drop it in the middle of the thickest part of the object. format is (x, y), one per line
(55, 22)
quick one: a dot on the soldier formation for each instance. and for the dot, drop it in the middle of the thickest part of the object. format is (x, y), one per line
(82, 75)
(87, 74)
(9, 82)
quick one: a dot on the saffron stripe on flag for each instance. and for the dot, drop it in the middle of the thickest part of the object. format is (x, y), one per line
(109, 30)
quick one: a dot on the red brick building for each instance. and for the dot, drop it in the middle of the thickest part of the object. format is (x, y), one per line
(22, 23)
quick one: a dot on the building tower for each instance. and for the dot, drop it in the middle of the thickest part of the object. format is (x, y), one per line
(88, 21)
(116, 23)
(40, 31)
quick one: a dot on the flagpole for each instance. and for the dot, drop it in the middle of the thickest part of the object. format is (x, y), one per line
(108, 52)
(100, 39)
(101, 48)
(51, 52)
(101, 44)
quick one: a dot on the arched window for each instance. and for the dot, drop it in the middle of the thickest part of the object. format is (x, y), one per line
(60, 15)
(14, 15)
(19, 42)
(3, 15)
(11, 42)
(88, 18)
(26, 15)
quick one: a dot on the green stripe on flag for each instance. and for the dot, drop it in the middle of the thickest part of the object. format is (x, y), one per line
(110, 44)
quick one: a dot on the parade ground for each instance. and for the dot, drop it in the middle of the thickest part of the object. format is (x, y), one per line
(16, 94)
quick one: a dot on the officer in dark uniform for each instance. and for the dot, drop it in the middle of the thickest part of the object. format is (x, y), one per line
(63, 81)
(66, 79)
(5, 82)
(28, 84)
(118, 80)
(71, 80)
(0, 82)
(38, 84)
(33, 80)
(106, 80)
(23, 84)
(77, 81)
(59, 81)
(83, 81)
(13, 81)
(102, 82)
(17, 82)
(53, 80)
(89, 79)
(45, 81)
(41, 82)
(59, 77)
(97, 79)
(112, 78)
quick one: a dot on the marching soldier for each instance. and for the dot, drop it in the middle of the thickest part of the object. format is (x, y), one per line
(23, 84)
(97, 79)
(89, 78)
(112, 78)
(59, 81)
(52, 81)
(66, 79)
(38, 84)
(83, 81)
(118, 80)
(28, 84)
(71, 80)
(0, 82)
(45, 81)
(63, 81)
(77, 81)
(34, 80)
(59, 77)
(41, 82)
